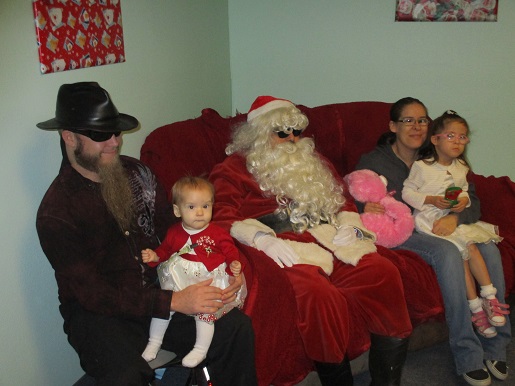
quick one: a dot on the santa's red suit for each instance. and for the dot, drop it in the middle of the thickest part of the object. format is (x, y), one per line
(337, 312)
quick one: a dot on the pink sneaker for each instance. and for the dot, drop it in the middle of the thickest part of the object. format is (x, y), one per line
(482, 324)
(495, 311)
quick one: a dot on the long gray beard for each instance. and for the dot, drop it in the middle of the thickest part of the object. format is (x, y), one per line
(117, 194)
(114, 186)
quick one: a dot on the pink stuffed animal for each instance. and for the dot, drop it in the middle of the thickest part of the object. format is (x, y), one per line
(394, 226)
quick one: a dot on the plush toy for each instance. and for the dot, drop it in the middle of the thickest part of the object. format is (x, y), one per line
(394, 226)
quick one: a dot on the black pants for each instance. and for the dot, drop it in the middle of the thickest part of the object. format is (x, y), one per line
(110, 348)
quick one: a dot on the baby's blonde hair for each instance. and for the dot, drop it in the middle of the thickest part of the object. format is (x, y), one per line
(190, 183)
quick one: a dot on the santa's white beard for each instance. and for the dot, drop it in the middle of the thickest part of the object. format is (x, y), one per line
(303, 184)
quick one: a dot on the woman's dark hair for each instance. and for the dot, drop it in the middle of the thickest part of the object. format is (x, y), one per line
(395, 114)
(427, 152)
(397, 107)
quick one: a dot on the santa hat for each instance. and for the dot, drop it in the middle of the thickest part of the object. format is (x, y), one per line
(265, 103)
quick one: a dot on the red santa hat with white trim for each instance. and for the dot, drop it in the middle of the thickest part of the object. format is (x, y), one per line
(265, 103)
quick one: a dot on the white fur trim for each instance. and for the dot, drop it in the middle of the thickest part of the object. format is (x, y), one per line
(352, 254)
(272, 105)
(324, 234)
(349, 218)
(313, 254)
(349, 254)
(245, 231)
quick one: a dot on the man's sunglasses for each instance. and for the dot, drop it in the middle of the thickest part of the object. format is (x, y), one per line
(98, 136)
(286, 133)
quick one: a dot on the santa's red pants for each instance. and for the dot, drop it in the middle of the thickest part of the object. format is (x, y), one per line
(337, 313)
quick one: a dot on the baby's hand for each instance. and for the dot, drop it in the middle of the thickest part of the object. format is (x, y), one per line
(149, 256)
(235, 268)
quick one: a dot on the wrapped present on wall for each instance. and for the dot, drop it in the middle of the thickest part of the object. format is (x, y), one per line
(73, 34)
(446, 10)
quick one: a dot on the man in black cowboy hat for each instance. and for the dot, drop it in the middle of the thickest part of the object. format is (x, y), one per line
(96, 217)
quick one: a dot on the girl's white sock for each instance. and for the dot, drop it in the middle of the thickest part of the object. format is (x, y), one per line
(475, 305)
(488, 291)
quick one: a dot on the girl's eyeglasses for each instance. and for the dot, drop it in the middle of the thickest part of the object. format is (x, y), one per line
(452, 137)
(285, 133)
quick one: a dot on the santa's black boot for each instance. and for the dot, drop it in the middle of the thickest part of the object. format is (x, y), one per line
(335, 374)
(386, 359)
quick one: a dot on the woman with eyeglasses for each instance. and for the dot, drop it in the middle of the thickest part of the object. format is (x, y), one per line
(394, 156)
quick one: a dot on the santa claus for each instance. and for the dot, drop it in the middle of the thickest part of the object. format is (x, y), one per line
(274, 192)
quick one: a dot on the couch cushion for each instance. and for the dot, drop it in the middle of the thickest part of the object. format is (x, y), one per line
(345, 131)
(200, 142)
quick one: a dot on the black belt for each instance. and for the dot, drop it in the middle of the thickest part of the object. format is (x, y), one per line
(275, 222)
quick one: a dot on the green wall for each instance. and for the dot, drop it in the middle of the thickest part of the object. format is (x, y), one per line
(177, 63)
(183, 56)
(329, 51)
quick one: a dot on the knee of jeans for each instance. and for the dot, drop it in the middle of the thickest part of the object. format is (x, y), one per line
(489, 251)
(450, 266)
(448, 253)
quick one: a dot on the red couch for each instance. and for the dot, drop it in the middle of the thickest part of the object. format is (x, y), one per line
(342, 132)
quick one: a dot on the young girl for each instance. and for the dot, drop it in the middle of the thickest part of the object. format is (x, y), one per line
(442, 165)
(193, 251)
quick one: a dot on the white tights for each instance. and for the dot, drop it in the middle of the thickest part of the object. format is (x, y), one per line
(158, 328)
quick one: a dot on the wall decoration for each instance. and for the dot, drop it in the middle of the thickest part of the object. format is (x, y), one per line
(73, 34)
(446, 10)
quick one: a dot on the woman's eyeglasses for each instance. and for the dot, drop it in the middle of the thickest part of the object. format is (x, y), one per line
(98, 136)
(452, 137)
(285, 133)
(410, 122)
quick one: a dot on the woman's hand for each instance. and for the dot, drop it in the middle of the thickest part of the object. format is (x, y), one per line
(373, 207)
(445, 225)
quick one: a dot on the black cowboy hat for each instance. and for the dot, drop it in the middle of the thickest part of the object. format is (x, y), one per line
(87, 106)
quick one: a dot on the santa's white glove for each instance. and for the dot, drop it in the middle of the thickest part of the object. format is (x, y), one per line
(276, 249)
(345, 235)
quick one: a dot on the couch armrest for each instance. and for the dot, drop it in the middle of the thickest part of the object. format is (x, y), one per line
(497, 198)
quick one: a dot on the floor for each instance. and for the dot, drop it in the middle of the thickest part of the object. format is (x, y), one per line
(429, 366)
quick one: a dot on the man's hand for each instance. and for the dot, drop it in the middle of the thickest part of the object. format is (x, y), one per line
(445, 225)
(277, 250)
(201, 297)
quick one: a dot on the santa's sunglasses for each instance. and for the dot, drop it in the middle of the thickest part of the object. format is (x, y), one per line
(286, 132)
(98, 136)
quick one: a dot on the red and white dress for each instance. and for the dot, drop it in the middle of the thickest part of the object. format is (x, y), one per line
(209, 259)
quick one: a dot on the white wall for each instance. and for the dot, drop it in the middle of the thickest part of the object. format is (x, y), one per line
(177, 63)
(329, 51)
